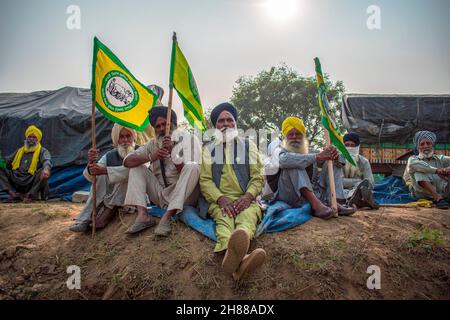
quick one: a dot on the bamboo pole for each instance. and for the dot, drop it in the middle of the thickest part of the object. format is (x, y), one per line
(94, 183)
(333, 200)
(169, 106)
(169, 112)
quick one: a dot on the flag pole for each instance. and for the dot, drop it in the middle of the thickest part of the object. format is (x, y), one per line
(169, 106)
(321, 87)
(94, 183)
(334, 205)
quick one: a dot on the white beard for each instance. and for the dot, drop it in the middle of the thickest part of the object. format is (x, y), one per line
(302, 148)
(229, 134)
(29, 147)
(426, 155)
(225, 135)
(125, 149)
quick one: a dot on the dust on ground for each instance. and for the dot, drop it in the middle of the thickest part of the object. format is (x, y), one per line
(317, 260)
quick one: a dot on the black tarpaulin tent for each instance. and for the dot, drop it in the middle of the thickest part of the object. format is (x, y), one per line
(63, 115)
(395, 119)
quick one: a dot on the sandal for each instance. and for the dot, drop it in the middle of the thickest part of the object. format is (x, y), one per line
(237, 249)
(163, 229)
(139, 226)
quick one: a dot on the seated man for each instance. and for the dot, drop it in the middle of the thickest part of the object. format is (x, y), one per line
(358, 181)
(27, 172)
(429, 173)
(170, 182)
(112, 179)
(230, 180)
(293, 172)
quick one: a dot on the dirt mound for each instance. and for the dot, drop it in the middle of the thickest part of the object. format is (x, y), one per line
(318, 260)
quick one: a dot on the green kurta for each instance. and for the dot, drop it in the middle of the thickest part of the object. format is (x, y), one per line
(229, 187)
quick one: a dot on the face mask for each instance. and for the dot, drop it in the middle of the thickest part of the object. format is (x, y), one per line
(354, 151)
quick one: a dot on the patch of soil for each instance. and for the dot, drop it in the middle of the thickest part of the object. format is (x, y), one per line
(318, 260)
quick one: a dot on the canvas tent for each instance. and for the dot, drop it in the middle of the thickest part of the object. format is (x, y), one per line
(396, 118)
(63, 115)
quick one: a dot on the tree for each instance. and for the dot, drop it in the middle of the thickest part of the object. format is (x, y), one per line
(265, 100)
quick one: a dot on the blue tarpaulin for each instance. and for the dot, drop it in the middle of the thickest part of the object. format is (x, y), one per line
(280, 216)
(392, 190)
(65, 181)
(190, 217)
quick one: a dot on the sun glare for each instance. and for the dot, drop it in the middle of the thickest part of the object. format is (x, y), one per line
(282, 10)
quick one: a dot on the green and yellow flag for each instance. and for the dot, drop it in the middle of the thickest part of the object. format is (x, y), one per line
(116, 92)
(183, 81)
(327, 120)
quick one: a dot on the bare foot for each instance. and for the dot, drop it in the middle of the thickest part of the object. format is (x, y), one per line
(323, 212)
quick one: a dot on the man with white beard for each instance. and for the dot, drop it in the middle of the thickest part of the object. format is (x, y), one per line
(358, 180)
(160, 174)
(231, 178)
(27, 172)
(112, 179)
(293, 172)
(428, 172)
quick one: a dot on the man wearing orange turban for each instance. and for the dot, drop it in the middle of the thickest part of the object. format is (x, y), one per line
(28, 170)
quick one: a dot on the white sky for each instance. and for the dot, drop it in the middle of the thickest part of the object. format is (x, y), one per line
(225, 39)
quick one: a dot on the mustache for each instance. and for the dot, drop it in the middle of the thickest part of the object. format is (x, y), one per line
(295, 142)
(31, 142)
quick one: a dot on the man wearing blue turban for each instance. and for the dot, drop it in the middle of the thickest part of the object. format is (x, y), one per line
(165, 171)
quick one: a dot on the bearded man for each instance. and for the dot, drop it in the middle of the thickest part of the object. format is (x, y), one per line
(111, 179)
(231, 178)
(293, 172)
(159, 173)
(428, 172)
(358, 180)
(28, 170)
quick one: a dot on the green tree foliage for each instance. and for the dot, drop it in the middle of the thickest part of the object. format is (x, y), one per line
(265, 100)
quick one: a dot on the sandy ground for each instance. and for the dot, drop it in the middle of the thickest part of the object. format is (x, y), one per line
(318, 260)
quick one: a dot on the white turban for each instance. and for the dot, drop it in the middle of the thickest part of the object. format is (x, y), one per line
(115, 133)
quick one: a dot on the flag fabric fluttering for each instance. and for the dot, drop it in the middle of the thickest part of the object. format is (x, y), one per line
(327, 120)
(116, 92)
(182, 79)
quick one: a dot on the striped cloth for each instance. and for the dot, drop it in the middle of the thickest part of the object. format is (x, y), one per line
(424, 135)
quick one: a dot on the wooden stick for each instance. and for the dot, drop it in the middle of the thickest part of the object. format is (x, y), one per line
(169, 112)
(169, 106)
(94, 183)
(333, 200)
